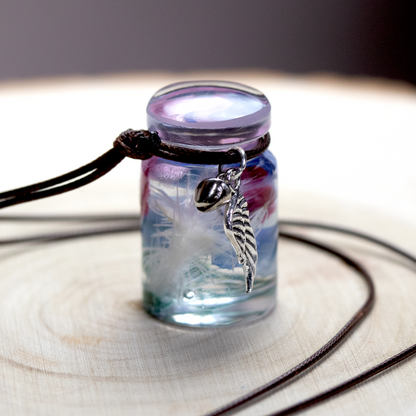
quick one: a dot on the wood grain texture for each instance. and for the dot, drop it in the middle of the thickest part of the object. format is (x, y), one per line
(75, 339)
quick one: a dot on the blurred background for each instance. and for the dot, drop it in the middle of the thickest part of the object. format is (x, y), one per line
(355, 37)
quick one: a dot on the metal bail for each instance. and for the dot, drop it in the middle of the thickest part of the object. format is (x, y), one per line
(224, 190)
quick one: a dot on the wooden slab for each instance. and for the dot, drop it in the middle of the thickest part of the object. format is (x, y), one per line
(75, 340)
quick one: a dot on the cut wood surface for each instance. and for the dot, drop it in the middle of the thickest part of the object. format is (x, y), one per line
(74, 337)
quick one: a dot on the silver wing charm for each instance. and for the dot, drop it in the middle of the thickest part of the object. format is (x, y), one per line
(238, 230)
(214, 193)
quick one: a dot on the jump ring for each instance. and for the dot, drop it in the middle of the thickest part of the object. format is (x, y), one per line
(243, 162)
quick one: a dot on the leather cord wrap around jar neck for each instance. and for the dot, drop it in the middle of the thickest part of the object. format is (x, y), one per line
(143, 144)
(135, 144)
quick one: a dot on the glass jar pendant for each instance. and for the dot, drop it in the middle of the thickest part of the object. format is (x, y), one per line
(192, 274)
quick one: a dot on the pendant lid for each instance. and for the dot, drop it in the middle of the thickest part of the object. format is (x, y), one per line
(217, 114)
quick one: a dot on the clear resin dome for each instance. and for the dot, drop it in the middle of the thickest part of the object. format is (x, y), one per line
(209, 113)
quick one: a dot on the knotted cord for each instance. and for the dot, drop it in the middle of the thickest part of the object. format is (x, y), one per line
(142, 144)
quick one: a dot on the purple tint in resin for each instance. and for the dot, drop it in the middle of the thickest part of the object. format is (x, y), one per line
(191, 275)
(209, 113)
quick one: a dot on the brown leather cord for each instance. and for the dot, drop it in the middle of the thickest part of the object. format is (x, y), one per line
(250, 398)
(70, 218)
(94, 170)
(142, 145)
(263, 391)
(349, 232)
(131, 222)
(136, 144)
(319, 398)
(202, 157)
(126, 227)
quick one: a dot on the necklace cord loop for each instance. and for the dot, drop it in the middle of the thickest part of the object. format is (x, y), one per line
(142, 145)
(205, 157)
(135, 144)
(130, 223)
(243, 162)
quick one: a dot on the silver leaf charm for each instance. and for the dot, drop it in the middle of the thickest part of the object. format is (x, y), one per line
(224, 190)
(238, 229)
